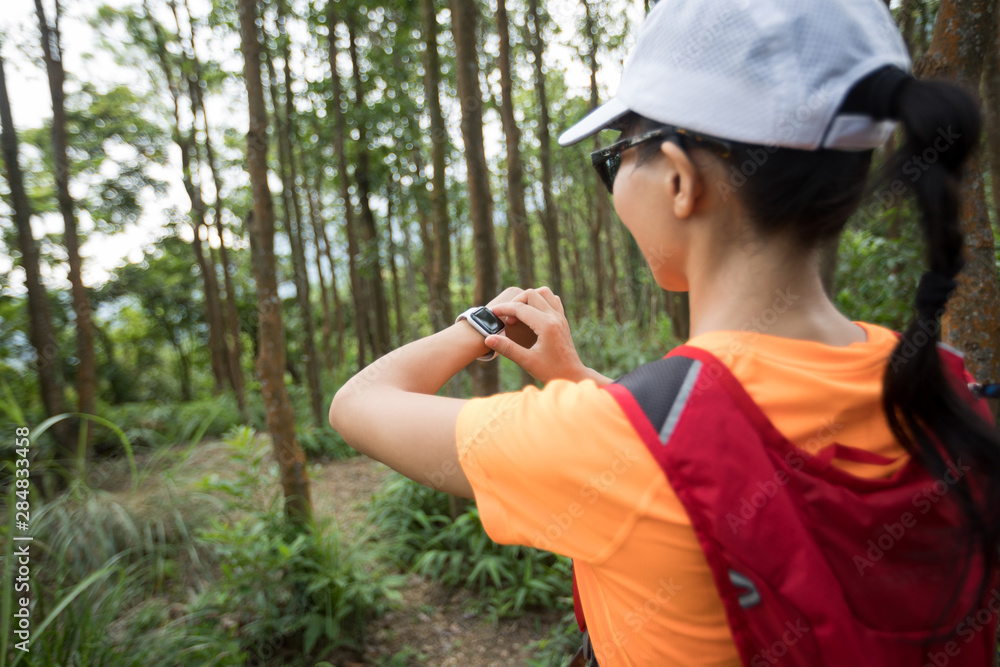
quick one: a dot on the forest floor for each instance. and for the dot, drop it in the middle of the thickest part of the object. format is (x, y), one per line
(433, 625)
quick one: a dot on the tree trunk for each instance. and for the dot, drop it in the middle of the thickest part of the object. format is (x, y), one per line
(192, 184)
(86, 374)
(600, 212)
(359, 291)
(197, 215)
(292, 209)
(324, 295)
(991, 99)
(338, 317)
(41, 334)
(963, 36)
(517, 213)
(550, 222)
(362, 176)
(397, 303)
(442, 312)
(271, 361)
(464, 16)
(231, 330)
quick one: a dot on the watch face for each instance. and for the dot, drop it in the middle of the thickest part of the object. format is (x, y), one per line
(485, 318)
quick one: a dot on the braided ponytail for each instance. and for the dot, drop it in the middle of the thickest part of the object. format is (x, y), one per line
(923, 407)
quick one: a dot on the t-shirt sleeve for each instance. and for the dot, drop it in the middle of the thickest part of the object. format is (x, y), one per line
(559, 468)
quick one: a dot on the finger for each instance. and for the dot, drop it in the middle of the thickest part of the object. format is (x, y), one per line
(506, 295)
(538, 301)
(507, 348)
(552, 298)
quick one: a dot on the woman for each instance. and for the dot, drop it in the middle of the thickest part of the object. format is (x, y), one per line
(789, 485)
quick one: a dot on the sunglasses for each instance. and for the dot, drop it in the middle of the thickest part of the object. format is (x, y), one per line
(608, 160)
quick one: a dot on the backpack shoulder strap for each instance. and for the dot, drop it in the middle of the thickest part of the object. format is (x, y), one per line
(653, 396)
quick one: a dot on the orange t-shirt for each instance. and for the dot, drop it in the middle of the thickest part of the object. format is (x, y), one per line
(561, 469)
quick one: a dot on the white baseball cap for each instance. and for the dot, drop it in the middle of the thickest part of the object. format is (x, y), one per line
(767, 72)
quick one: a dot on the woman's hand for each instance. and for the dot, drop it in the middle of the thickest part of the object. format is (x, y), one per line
(538, 337)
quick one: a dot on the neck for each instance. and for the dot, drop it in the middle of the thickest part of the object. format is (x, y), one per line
(768, 288)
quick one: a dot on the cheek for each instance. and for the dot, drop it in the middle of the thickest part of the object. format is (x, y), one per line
(646, 213)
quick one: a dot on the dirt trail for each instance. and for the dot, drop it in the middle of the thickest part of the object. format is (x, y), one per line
(433, 626)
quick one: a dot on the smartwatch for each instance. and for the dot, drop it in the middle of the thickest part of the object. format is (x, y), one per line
(485, 322)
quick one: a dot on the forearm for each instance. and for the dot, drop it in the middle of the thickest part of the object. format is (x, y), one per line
(601, 380)
(388, 410)
(420, 367)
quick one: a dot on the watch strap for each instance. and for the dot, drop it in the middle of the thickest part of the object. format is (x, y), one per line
(492, 354)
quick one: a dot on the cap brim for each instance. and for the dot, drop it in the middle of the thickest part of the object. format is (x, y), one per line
(597, 120)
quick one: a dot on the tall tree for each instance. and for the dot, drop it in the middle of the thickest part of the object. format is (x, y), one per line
(991, 100)
(359, 285)
(292, 215)
(86, 374)
(442, 312)
(189, 154)
(550, 223)
(271, 359)
(963, 36)
(464, 17)
(381, 343)
(233, 344)
(517, 213)
(42, 336)
(601, 212)
(319, 232)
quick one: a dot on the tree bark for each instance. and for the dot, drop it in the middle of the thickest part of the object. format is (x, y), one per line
(292, 210)
(465, 16)
(192, 184)
(991, 106)
(359, 287)
(963, 36)
(599, 219)
(324, 295)
(86, 374)
(271, 361)
(517, 213)
(397, 302)
(442, 312)
(550, 222)
(231, 331)
(362, 176)
(338, 317)
(41, 333)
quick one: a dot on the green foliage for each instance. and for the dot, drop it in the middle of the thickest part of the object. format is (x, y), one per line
(281, 582)
(164, 575)
(558, 646)
(614, 349)
(323, 443)
(508, 579)
(157, 424)
(878, 270)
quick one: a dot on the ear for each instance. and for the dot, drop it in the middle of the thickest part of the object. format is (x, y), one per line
(685, 183)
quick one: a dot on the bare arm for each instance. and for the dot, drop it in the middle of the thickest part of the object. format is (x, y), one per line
(389, 411)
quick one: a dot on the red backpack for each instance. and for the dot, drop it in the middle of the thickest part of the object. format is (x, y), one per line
(814, 566)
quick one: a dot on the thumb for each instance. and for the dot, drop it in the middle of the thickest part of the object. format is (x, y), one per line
(506, 347)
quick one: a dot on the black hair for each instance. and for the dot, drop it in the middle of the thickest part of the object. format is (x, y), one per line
(809, 196)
